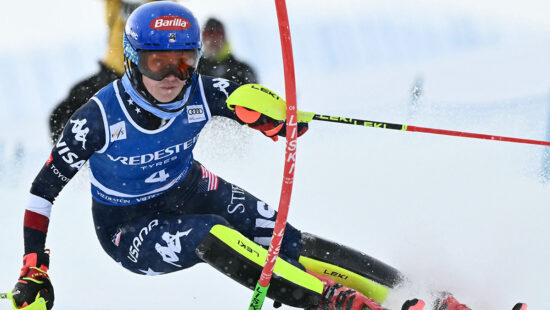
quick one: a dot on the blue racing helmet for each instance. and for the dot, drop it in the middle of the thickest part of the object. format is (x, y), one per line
(161, 25)
(156, 28)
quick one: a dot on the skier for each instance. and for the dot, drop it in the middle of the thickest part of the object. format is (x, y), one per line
(156, 209)
(217, 58)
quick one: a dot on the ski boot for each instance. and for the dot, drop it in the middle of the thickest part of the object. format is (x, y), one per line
(520, 306)
(338, 297)
(446, 301)
(413, 304)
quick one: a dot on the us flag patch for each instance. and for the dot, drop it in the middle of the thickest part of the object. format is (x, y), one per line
(116, 237)
(212, 179)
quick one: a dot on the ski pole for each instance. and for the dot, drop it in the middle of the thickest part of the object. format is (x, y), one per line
(308, 116)
(262, 286)
(3, 295)
(248, 94)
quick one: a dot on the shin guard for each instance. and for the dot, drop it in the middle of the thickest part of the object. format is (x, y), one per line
(348, 267)
(242, 260)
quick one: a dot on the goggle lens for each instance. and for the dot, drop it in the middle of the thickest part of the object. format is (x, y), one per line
(158, 65)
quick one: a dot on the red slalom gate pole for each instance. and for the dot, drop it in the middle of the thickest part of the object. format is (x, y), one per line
(262, 286)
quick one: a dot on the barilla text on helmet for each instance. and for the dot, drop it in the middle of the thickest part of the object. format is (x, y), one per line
(170, 22)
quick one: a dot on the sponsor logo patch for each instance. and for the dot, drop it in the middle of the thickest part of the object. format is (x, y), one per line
(58, 174)
(164, 154)
(118, 131)
(133, 34)
(69, 157)
(170, 22)
(238, 197)
(133, 253)
(172, 37)
(195, 113)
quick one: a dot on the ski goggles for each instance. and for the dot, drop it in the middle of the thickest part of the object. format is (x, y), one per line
(158, 65)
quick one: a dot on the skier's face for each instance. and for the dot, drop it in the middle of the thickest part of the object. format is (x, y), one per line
(164, 90)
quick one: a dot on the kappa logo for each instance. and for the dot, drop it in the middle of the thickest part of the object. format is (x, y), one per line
(170, 252)
(118, 131)
(221, 84)
(195, 113)
(79, 131)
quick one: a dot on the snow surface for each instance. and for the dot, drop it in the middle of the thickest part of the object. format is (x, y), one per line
(463, 215)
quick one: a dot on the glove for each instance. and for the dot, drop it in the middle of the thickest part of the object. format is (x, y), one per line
(34, 280)
(267, 125)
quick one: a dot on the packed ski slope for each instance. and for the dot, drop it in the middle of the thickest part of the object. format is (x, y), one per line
(467, 216)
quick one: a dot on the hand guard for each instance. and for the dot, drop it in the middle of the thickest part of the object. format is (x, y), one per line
(267, 125)
(33, 280)
(262, 109)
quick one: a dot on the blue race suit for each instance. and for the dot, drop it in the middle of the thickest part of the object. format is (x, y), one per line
(153, 203)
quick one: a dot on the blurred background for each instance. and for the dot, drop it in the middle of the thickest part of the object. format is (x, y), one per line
(468, 216)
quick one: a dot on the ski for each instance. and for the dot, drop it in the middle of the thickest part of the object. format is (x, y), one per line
(411, 304)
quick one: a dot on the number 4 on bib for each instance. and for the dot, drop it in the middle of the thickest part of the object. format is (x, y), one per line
(159, 176)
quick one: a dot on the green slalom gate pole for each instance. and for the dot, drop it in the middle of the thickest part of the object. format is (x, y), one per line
(262, 286)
